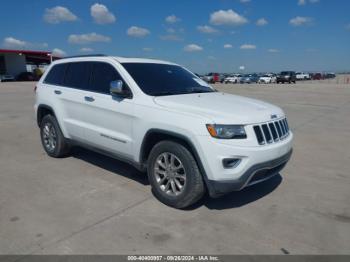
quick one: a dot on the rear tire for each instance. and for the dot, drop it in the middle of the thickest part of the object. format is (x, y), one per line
(174, 175)
(52, 139)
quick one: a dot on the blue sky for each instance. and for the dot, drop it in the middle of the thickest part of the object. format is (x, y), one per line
(204, 35)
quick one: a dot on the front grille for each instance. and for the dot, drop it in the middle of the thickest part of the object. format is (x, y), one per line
(271, 132)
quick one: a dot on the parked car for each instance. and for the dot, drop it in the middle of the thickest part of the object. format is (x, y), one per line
(234, 79)
(26, 76)
(188, 143)
(267, 79)
(249, 79)
(330, 75)
(212, 78)
(286, 77)
(7, 78)
(273, 77)
(302, 76)
(317, 76)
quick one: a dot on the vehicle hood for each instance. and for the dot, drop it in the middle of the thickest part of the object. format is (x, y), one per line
(221, 108)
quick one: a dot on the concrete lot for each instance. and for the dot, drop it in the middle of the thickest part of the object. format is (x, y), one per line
(91, 204)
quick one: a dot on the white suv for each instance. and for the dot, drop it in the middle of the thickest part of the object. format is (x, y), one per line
(160, 117)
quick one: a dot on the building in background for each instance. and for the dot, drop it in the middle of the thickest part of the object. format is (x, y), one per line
(15, 62)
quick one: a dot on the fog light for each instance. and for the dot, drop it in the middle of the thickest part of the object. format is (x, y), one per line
(231, 162)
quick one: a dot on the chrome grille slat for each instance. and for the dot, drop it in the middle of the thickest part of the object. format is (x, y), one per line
(286, 124)
(279, 131)
(267, 135)
(271, 132)
(259, 135)
(283, 128)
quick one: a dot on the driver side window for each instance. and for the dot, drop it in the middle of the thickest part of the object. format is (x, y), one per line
(102, 76)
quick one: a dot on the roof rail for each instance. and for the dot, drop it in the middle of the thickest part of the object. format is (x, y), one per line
(77, 56)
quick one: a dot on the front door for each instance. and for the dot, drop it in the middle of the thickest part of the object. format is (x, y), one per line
(108, 119)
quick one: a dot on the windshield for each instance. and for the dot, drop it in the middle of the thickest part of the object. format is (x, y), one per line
(165, 79)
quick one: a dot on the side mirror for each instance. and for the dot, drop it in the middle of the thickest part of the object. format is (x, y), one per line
(116, 88)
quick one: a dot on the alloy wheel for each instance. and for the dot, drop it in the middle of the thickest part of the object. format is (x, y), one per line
(49, 137)
(170, 174)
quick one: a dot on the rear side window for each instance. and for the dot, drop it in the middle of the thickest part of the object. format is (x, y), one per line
(102, 76)
(78, 75)
(56, 75)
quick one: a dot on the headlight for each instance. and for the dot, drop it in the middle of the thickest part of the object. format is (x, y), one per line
(227, 131)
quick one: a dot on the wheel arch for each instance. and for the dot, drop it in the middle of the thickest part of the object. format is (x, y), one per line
(154, 136)
(42, 111)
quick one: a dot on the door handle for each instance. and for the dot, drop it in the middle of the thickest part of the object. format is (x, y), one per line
(58, 92)
(89, 98)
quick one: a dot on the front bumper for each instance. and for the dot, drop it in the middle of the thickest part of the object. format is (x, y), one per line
(255, 174)
(256, 162)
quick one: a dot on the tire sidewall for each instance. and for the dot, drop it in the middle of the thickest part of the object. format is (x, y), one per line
(59, 138)
(185, 156)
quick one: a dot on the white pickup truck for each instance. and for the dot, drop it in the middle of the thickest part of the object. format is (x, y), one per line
(303, 76)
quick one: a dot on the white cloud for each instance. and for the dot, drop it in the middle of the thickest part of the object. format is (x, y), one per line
(11, 42)
(59, 14)
(273, 50)
(228, 46)
(101, 14)
(86, 50)
(262, 22)
(135, 31)
(304, 2)
(248, 47)
(228, 17)
(193, 48)
(147, 49)
(87, 38)
(244, 1)
(58, 52)
(171, 30)
(172, 19)
(206, 29)
(299, 21)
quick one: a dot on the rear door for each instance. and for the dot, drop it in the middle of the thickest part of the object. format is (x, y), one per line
(71, 95)
(107, 119)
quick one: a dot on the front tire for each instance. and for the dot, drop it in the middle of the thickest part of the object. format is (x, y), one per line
(52, 139)
(174, 175)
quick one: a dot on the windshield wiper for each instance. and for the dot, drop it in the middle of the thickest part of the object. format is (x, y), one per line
(164, 93)
(197, 90)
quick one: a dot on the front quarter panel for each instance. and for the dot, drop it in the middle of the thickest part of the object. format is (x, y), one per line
(151, 117)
